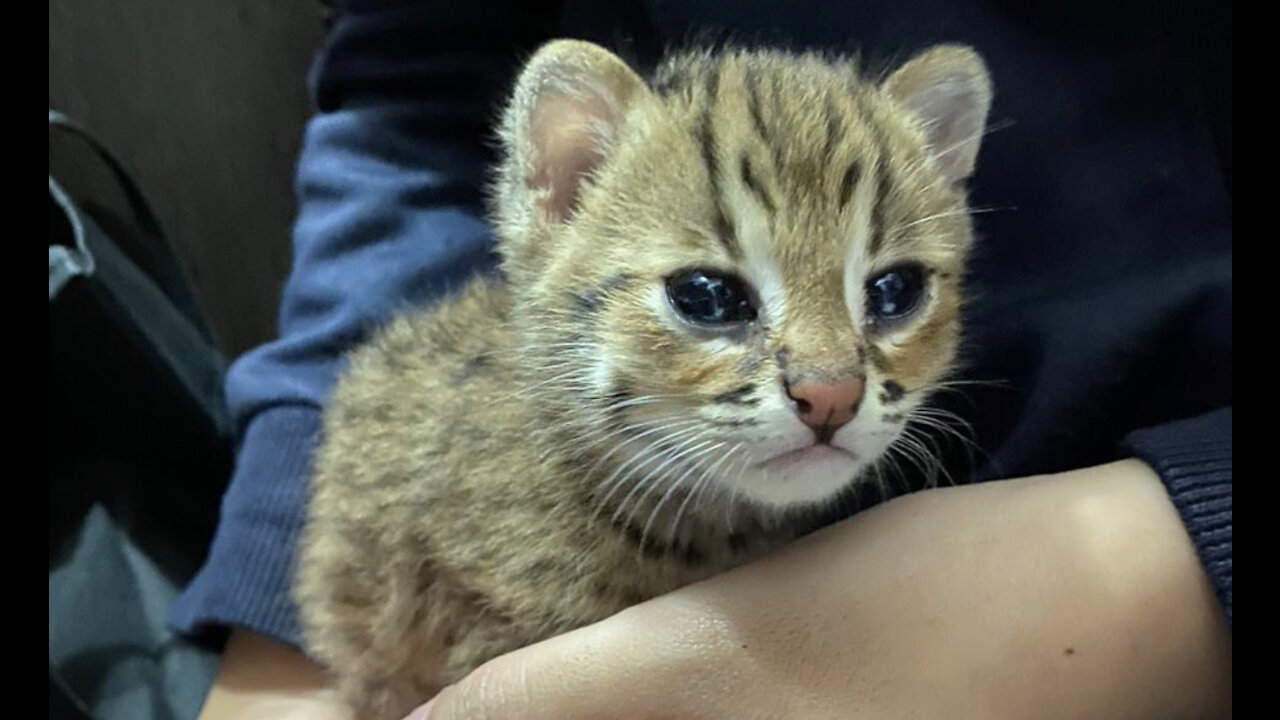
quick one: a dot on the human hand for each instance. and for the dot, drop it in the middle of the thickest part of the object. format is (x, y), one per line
(262, 679)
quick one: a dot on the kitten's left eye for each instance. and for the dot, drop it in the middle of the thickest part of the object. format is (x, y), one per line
(710, 298)
(895, 293)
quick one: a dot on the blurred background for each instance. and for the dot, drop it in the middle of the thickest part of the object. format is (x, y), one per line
(204, 103)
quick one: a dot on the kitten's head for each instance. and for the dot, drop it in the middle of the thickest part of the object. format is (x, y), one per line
(745, 273)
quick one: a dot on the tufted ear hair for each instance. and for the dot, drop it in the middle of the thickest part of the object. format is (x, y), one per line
(563, 121)
(947, 88)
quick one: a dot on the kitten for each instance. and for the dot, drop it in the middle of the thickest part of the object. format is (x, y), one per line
(725, 291)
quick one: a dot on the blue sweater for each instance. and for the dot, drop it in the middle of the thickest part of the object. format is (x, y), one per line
(1103, 302)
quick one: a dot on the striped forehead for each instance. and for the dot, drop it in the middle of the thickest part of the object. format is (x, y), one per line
(794, 178)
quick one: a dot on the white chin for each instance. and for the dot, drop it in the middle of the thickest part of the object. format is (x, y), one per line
(813, 475)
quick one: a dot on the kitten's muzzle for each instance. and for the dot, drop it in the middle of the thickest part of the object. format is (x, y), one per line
(825, 406)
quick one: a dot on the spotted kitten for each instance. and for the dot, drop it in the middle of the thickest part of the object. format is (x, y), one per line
(726, 289)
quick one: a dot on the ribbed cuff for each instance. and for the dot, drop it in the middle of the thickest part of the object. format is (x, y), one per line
(245, 579)
(1193, 458)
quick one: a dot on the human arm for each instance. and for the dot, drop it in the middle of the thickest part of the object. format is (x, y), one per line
(1078, 594)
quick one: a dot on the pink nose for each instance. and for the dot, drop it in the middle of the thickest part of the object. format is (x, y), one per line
(826, 407)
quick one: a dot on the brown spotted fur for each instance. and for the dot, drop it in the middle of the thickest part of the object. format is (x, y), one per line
(458, 507)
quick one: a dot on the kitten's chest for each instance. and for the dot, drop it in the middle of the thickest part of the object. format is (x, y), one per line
(645, 555)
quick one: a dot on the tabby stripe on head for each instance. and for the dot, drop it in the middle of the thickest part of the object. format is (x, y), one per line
(882, 189)
(753, 106)
(834, 130)
(749, 179)
(670, 83)
(877, 211)
(846, 185)
(881, 173)
(751, 85)
(710, 156)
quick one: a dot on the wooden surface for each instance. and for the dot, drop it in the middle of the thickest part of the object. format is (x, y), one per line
(204, 102)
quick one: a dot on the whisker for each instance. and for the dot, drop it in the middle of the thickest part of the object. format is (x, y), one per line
(897, 229)
(655, 475)
(653, 515)
(681, 426)
(690, 435)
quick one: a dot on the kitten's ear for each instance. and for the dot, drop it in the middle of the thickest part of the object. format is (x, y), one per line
(948, 90)
(563, 119)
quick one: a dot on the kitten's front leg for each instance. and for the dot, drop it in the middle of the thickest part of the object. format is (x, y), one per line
(382, 628)
(451, 635)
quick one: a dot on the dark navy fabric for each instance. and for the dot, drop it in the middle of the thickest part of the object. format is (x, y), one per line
(1101, 319)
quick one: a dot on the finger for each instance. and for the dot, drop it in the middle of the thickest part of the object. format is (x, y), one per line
(593, 672)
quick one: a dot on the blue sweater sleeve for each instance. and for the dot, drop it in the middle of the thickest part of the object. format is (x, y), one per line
(389, 186)
(1193, 459)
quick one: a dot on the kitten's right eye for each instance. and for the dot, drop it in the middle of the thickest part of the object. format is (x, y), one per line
(710, 298)
(894, 294)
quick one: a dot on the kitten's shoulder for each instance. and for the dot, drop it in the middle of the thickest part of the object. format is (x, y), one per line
(422, 382)
(442, 347)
